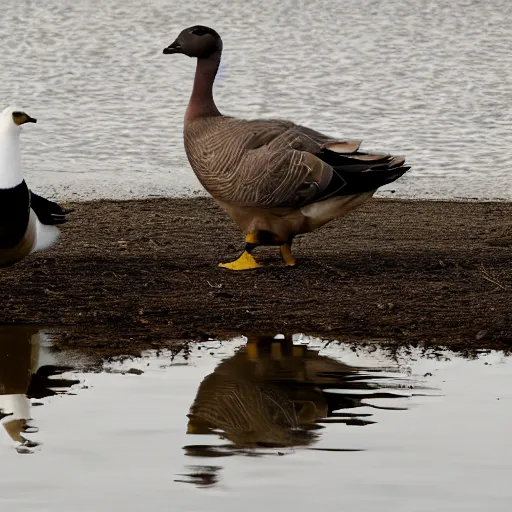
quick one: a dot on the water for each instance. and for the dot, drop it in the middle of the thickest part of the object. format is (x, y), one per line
(429, 79)
(401, 431)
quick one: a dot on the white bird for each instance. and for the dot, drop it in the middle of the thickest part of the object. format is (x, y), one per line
(27, 221)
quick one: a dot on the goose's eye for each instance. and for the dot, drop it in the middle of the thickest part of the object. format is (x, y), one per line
(200, 31)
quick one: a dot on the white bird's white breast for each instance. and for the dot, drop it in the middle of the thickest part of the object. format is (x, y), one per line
(11, 171)
(46, 235)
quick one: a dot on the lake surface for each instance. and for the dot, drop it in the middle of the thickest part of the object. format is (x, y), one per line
(429, 79)
(284, 422)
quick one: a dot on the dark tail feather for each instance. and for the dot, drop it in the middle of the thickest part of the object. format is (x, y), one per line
(358, 160)
(47, 211)
(349, 182)
(360, 172)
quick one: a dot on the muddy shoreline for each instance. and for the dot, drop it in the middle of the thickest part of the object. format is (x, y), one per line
(131, 275)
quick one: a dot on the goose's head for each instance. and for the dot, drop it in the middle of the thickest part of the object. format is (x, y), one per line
(12, 118)
(197, 41)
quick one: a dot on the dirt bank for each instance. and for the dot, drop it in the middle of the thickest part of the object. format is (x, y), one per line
(137, 274)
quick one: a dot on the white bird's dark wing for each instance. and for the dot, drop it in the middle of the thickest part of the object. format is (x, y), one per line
(47, 211)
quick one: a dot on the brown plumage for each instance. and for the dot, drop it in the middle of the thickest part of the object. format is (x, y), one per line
(276, 179)
(275, 393)
(268, 394)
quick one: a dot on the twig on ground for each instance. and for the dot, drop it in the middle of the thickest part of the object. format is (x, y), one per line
(491, 279)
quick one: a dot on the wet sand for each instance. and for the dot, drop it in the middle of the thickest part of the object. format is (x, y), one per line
(131, 275)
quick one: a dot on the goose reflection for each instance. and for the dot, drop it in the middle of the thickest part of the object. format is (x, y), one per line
(22, 378)
(273, 394)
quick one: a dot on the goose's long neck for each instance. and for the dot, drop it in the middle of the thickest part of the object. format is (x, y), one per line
(201, 102)
(11, 172)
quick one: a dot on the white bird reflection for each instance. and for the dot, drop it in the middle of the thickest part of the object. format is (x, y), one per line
(23, 378)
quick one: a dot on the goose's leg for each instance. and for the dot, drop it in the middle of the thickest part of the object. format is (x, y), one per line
(253, 352)
(246, 261)
(286, 253)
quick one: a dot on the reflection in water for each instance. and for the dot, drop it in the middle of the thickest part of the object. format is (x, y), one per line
(274, 394)
(202, 476)
(21, 379)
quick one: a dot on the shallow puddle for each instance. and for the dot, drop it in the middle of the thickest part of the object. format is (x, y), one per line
(275, 422)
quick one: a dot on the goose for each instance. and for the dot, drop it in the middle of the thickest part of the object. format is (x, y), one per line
(276, 179)
(27, 220)
(272, 392)
(264, 395)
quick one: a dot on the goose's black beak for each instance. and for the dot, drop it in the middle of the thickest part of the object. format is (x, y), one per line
(173, 48)
(31, 120)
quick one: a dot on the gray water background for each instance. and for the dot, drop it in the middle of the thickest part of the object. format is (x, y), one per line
(426, 78)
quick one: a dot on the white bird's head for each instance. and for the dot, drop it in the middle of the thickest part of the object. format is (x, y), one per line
(12, 118)
(11, 121)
